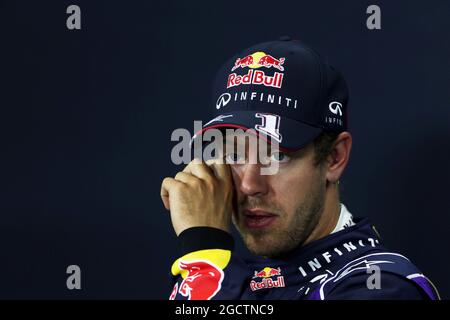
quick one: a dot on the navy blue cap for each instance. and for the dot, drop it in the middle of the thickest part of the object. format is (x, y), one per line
(284, 90)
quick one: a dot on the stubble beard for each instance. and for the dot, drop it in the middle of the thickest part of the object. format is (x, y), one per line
(290, 233)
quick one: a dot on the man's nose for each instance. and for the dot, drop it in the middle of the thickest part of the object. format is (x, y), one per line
(252, 182)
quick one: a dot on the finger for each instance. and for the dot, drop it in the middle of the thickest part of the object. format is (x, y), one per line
(199, 169)
(185, 177)
(166, 186)
(166, 202)
(221, 170)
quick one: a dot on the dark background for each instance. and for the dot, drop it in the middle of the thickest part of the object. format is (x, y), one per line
(86, 119)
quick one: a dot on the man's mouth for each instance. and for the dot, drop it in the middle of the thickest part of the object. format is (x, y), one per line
(258, 219)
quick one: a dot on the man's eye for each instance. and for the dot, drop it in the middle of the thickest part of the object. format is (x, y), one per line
(279, 157)
(233, 158)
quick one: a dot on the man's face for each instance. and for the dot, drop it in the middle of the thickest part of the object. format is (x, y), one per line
(276, 213)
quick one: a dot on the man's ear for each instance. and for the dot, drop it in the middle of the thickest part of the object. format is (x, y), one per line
(338, 158)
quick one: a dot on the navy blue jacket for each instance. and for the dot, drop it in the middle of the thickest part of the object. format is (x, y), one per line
(349, 264)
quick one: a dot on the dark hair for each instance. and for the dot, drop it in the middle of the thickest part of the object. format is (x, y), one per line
(323, 146)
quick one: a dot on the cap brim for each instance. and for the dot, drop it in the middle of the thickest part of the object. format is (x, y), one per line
(291, 135)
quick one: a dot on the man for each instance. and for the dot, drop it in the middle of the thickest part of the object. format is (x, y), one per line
(307, 245)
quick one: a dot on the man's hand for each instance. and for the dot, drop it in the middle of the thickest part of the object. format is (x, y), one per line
(200, 195)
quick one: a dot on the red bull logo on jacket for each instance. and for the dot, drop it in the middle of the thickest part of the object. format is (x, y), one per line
(255, 61)
(203, 281)
(201, 273)
(267, 281)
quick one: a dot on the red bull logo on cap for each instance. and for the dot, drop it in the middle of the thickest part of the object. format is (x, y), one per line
(267, 282)
(255, 61)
